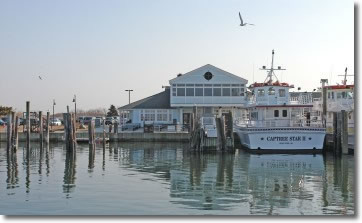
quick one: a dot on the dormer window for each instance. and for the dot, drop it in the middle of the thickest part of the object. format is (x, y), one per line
(261, 92)
(271, 91)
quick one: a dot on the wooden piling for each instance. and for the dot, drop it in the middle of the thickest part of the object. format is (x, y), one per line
(91, 134)
(66, 137)
(9, 132)
(74, 135)
(47, 128)
(104, 133)
(12, 129)
(344, 132)
(16, 134)
(115, 127)
(41, 136)
(28, 124)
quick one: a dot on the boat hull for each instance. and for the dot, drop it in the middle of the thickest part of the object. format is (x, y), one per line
(282, 139)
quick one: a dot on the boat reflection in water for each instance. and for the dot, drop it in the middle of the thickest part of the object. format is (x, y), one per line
(135, 178)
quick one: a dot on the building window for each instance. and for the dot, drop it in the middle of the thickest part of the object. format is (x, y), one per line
(235, 91)
(261, 92)
(199, 92)
(276, 113)
(217, 91)
(332, 95)
(281, 92)
(189, 92)
(329, 95)
(271, 91)
(173, 91)
(226, 92)
(285, 113)
(207, 91)
(162, 115)
(180, 91)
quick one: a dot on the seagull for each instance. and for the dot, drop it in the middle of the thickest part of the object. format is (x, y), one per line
(242, 23)
(40, 78)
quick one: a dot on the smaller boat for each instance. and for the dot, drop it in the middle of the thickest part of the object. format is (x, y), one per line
(208, 124)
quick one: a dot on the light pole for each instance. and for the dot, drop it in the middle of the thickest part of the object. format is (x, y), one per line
(129, 96)
(75, 107)
(53, 113)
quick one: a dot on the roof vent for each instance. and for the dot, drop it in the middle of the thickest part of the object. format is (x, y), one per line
(179, 75)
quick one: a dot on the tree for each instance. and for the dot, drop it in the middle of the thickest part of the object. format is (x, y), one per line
(112, 111)
(5, 110)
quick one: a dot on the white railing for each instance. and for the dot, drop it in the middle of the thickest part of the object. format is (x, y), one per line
(279, 123)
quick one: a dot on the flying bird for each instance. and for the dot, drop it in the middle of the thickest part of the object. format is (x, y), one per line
(242, 23)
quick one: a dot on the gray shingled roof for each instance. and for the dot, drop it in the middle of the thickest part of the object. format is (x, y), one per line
(157, 101)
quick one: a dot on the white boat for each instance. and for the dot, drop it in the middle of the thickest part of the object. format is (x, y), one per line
(208, 124)
(339, 97)
(276, 122)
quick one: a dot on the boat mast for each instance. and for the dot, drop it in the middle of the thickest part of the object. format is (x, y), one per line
(269, 78)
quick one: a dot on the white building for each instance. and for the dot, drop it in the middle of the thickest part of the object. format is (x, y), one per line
(210, 89)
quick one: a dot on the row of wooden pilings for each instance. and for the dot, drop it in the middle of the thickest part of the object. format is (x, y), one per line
(13, 129)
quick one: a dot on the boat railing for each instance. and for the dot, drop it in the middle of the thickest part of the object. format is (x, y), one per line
(279, 123)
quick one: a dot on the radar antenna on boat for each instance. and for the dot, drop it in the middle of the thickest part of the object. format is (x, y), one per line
(269, 78)
(344, 82)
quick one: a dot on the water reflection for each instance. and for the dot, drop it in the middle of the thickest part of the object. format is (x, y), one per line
(233, 183)
(69, 173)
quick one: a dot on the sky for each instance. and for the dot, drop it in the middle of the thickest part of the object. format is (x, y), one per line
(98, 49)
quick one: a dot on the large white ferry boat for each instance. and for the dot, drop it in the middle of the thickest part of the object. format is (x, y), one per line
(276, 122)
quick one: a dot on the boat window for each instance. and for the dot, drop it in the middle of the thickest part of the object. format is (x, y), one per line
(189, 92)
(226, 92)
(199, 92)
(207, 91)
(254, 116)
(343, 94)
(339, 95)
(285, 113)
(276, 113)
(180, 91)
(350, 95)
(281, 92)
(235, 92)
(217, 91)
(261, 92)
(271, 91)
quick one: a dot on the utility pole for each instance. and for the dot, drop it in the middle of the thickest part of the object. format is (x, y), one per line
(129, 95)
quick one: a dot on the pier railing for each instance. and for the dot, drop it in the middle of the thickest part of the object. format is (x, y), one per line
(279, 123)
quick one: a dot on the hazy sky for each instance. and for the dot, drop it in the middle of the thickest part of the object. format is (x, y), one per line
(97, 49)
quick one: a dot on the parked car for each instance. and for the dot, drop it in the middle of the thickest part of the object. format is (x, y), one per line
(55, 122)
(109, 121)
(5, 119)
(87, 120)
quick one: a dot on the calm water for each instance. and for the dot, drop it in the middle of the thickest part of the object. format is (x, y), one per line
(164, 179)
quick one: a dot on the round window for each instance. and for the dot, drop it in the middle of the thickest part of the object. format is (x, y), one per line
(208, 75)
